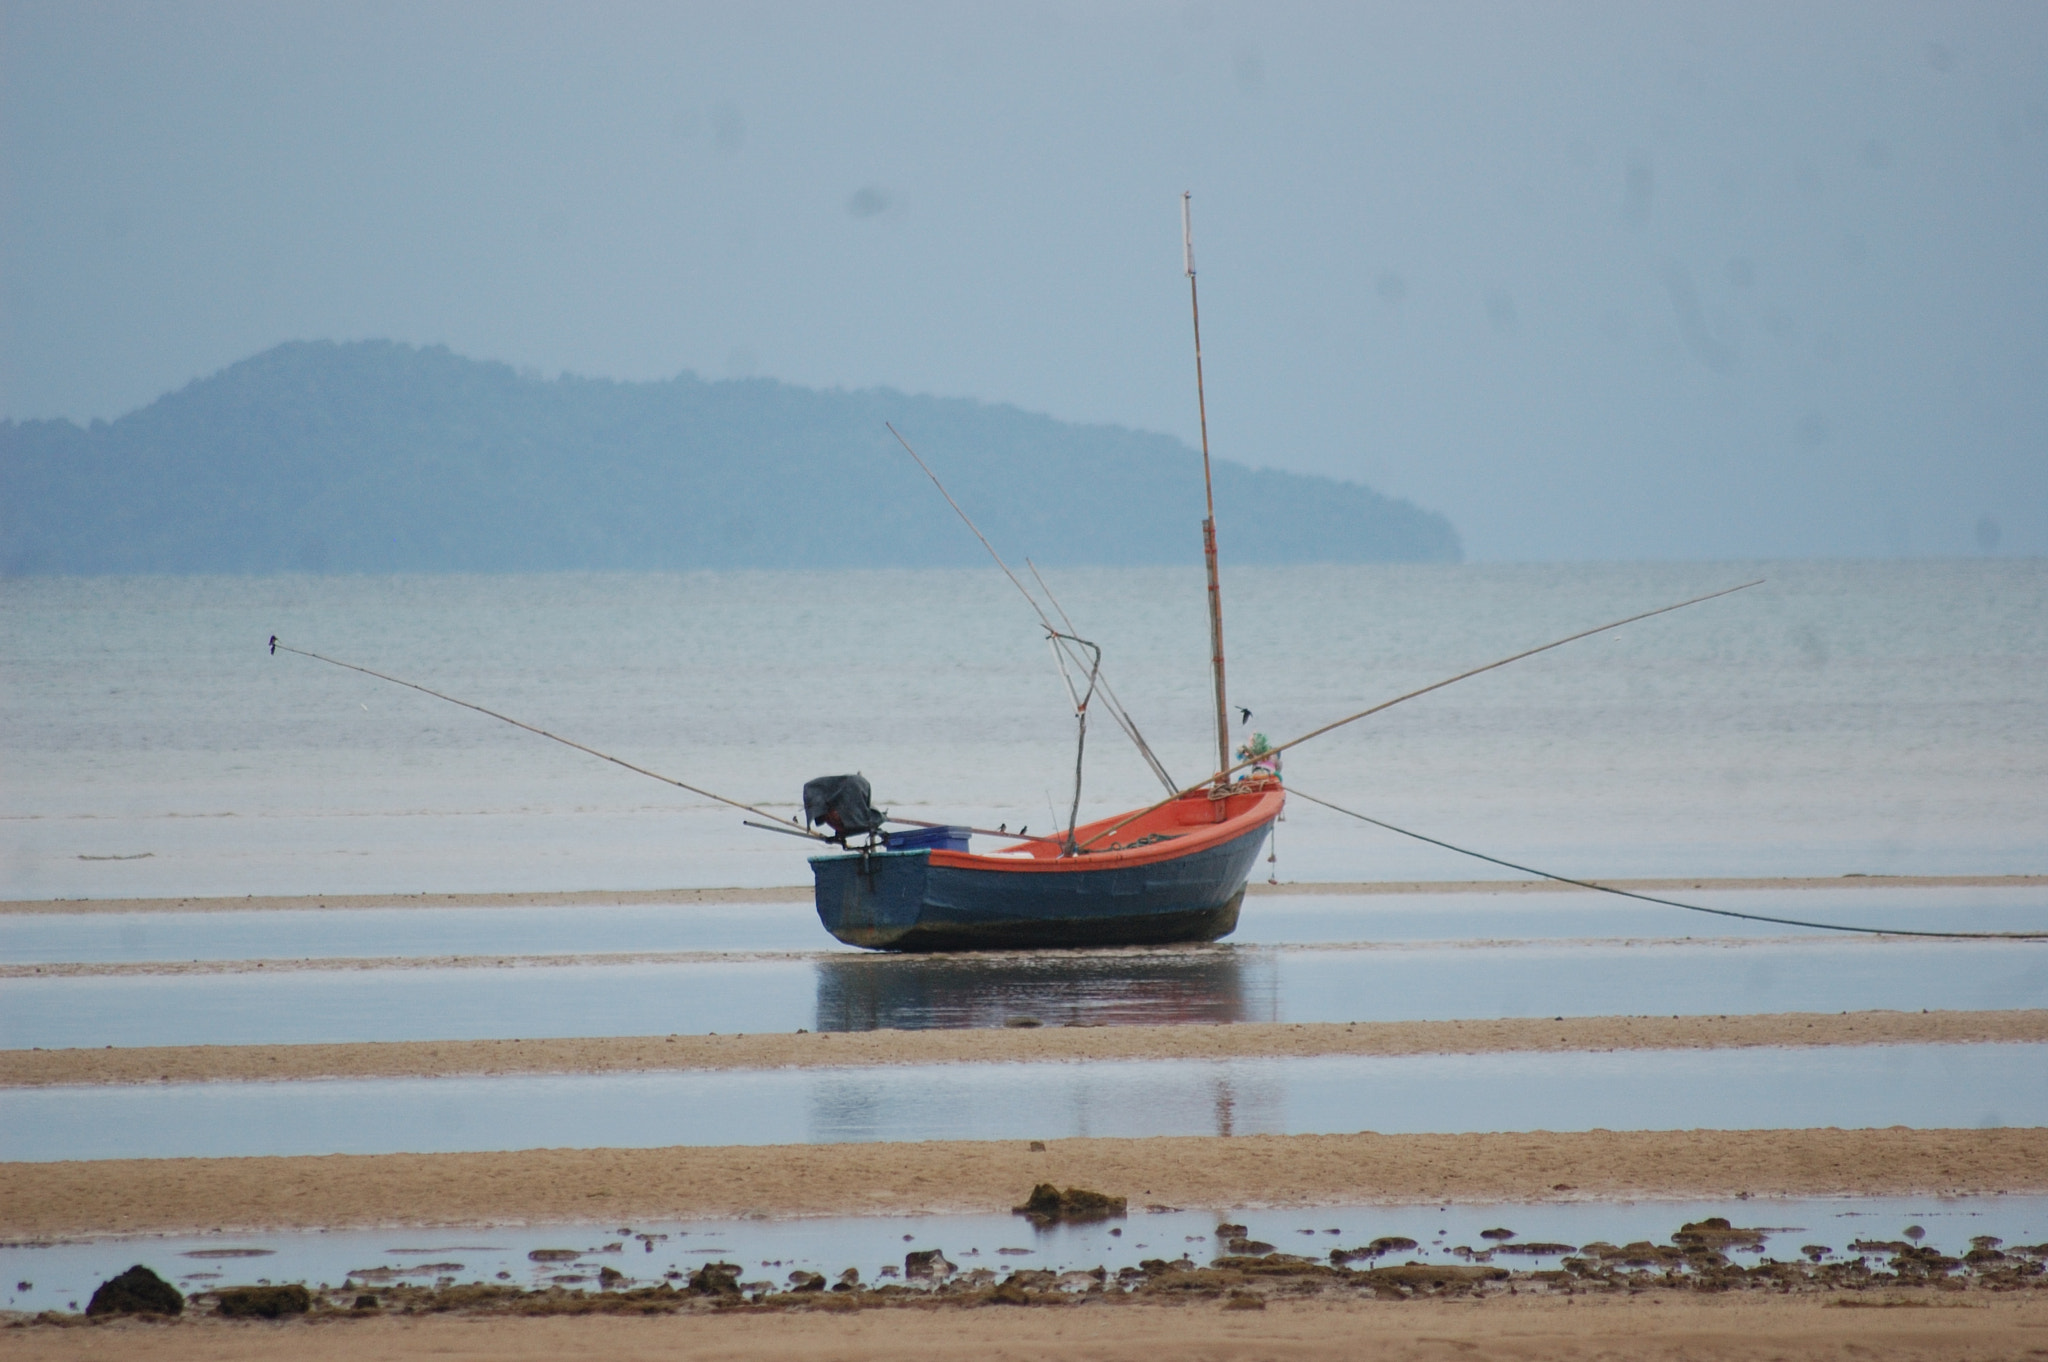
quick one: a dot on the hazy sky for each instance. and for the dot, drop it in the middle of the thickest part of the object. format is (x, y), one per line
(1708, 280)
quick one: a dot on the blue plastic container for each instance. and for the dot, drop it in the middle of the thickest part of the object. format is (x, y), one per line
(929, 839)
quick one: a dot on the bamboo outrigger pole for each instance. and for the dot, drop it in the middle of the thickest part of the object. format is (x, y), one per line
(1187, 251)
(1223, 775)
(277, 647)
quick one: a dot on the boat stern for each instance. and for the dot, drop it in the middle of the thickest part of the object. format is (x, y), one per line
(871, 899)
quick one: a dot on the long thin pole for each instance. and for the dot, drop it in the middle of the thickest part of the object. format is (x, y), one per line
(1223, 775)
(775, 825)
(1527, 652)
(1187, 250)
(277, 647)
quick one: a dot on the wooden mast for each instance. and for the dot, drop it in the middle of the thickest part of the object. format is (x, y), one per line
(1187, 246)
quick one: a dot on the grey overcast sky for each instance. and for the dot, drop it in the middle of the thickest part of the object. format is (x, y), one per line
(1596, 280)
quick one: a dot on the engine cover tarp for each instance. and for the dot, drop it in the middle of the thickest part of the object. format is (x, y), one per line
(842, 804)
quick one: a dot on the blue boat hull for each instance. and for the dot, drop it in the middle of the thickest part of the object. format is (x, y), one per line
(898, 900)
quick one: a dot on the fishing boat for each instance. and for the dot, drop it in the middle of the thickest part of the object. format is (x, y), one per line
(1172, 872)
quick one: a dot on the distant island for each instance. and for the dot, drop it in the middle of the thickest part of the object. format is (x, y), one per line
(379, 457)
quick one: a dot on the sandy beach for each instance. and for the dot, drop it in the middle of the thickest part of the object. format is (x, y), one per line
(68, 1200)
(803, 893)
(1698, 1329)
(43, 1200)
(608, 1054)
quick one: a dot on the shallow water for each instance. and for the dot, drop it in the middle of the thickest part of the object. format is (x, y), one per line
(859, 991)
(1756, 1089)
(382, 933)
(1268, 919)
(1876, 717)
(62, 1275)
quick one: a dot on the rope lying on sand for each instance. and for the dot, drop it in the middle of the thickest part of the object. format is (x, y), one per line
(1667, 903)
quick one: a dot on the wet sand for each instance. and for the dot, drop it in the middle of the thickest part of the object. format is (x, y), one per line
(42, 1200)
(1648, 1327)
(611, 1054)
(802, 893)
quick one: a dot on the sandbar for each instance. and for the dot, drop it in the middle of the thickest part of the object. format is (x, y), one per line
(803, 893)
(131, 1196)
(615, 1054)
(1651, 1327)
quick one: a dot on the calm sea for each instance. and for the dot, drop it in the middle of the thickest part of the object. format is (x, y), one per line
(1876, 718)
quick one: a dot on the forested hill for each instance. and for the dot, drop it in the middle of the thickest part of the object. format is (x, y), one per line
(379, 457)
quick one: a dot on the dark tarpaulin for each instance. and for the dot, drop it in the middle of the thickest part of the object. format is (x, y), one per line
(842, 804)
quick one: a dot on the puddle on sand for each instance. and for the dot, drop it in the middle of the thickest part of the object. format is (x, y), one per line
(63, 1275)
(1849, 1086)
(1268, 919)
(1220, 983)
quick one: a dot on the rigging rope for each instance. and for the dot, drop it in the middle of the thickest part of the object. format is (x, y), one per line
(1112, 703)
(1115, 707)
(1668, 903)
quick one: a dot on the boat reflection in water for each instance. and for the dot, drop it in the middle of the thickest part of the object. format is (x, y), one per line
(1199, 984)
